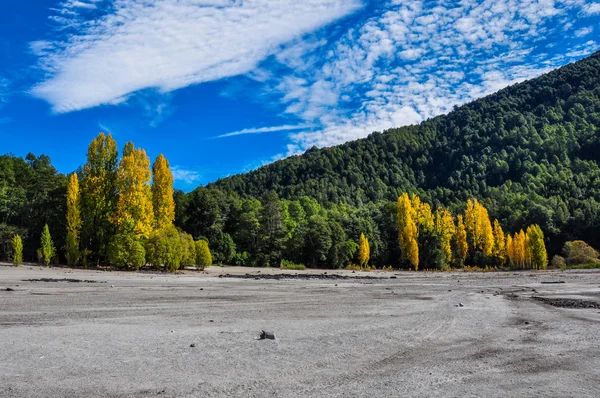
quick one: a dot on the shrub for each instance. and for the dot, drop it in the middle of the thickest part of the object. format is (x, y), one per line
(558, 262)
(388, 268)
(242, 259)
(579, 252)
(285, 264)
(164, 248)
(203, 256)
(126, 251)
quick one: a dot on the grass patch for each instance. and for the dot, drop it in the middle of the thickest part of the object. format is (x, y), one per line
(285, 264)
(584, 266)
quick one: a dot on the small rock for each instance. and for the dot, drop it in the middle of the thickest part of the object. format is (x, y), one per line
(461, 305)
(112, 285)
(449, 290)
(172, 331)
(526, 323)
(336, 284)
(192, 345)
(211, 320)
(201, 289)
(393, 277)
(8, 289)
(266, 335)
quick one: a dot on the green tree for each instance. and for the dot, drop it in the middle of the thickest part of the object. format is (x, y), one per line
(125, 250)
(98, 196)
(165, 248)
(47, 247)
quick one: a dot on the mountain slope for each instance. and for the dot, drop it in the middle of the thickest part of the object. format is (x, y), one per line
(530, 151)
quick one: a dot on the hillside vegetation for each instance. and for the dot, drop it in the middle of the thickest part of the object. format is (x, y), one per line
(521, 164)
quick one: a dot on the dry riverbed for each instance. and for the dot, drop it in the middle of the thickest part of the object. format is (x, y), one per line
(75, 333)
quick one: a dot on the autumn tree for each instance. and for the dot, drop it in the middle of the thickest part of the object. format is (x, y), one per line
(537, 247)
(479, 227)
(462, 246)
(364, 251)
(499, 251)
(444, 225)
(98, 196)
(162, 193)
(134, 207)
(47, 249)
(408, 232)
(17, 250)
(73, 220)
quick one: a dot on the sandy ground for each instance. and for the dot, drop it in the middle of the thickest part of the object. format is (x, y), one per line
(129, 335)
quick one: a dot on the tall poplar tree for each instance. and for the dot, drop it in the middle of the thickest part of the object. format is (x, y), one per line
(444, 225)
(17, 247)
(364, 250)
(73, 220)
(98, 197)
(408, 232)
(162, 193)
(537, 247)
(462, 246)
(134, 213)
(499, 251)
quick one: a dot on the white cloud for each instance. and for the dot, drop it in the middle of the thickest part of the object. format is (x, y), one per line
(262, 130)
(413, 61)
(583, 31)
(184, 175)
(4, 90)
(170, 44)
(592, 9)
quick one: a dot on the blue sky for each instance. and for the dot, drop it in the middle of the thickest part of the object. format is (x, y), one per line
(224, 86)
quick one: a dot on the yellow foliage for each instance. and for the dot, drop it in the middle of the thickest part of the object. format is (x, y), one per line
(536, 247)
(73, 220)
(162, 193)
(364, 250)
(479, 227)
(499, 243)
(134, 206)
(408, 229)
(462, 246)
(444, 224)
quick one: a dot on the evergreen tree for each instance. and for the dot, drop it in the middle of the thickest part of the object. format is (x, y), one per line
(17, 248)
(162, 193)
(73, 220)
(47, 248)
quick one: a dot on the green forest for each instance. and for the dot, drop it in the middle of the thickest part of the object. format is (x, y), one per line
(526, 158)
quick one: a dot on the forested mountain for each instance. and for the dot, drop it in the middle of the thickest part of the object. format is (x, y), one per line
(523, 162)
(529, 152)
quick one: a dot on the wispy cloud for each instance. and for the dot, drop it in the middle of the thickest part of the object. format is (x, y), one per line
(583, 31)
(592, 9)
(168, 44)
(262, 130)
(412, 61)
(184, 175)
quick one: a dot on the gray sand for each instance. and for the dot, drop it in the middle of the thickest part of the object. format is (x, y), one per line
(389, 337)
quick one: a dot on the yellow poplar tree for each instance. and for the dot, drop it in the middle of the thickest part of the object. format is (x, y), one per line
(462, 246)
(134, 207)
(499, 251)
(479, 227)
(162, 193)
(408, 231)
(73, 220)
(510, 249)
(364, 251)
(446, 229)
(537, 247)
